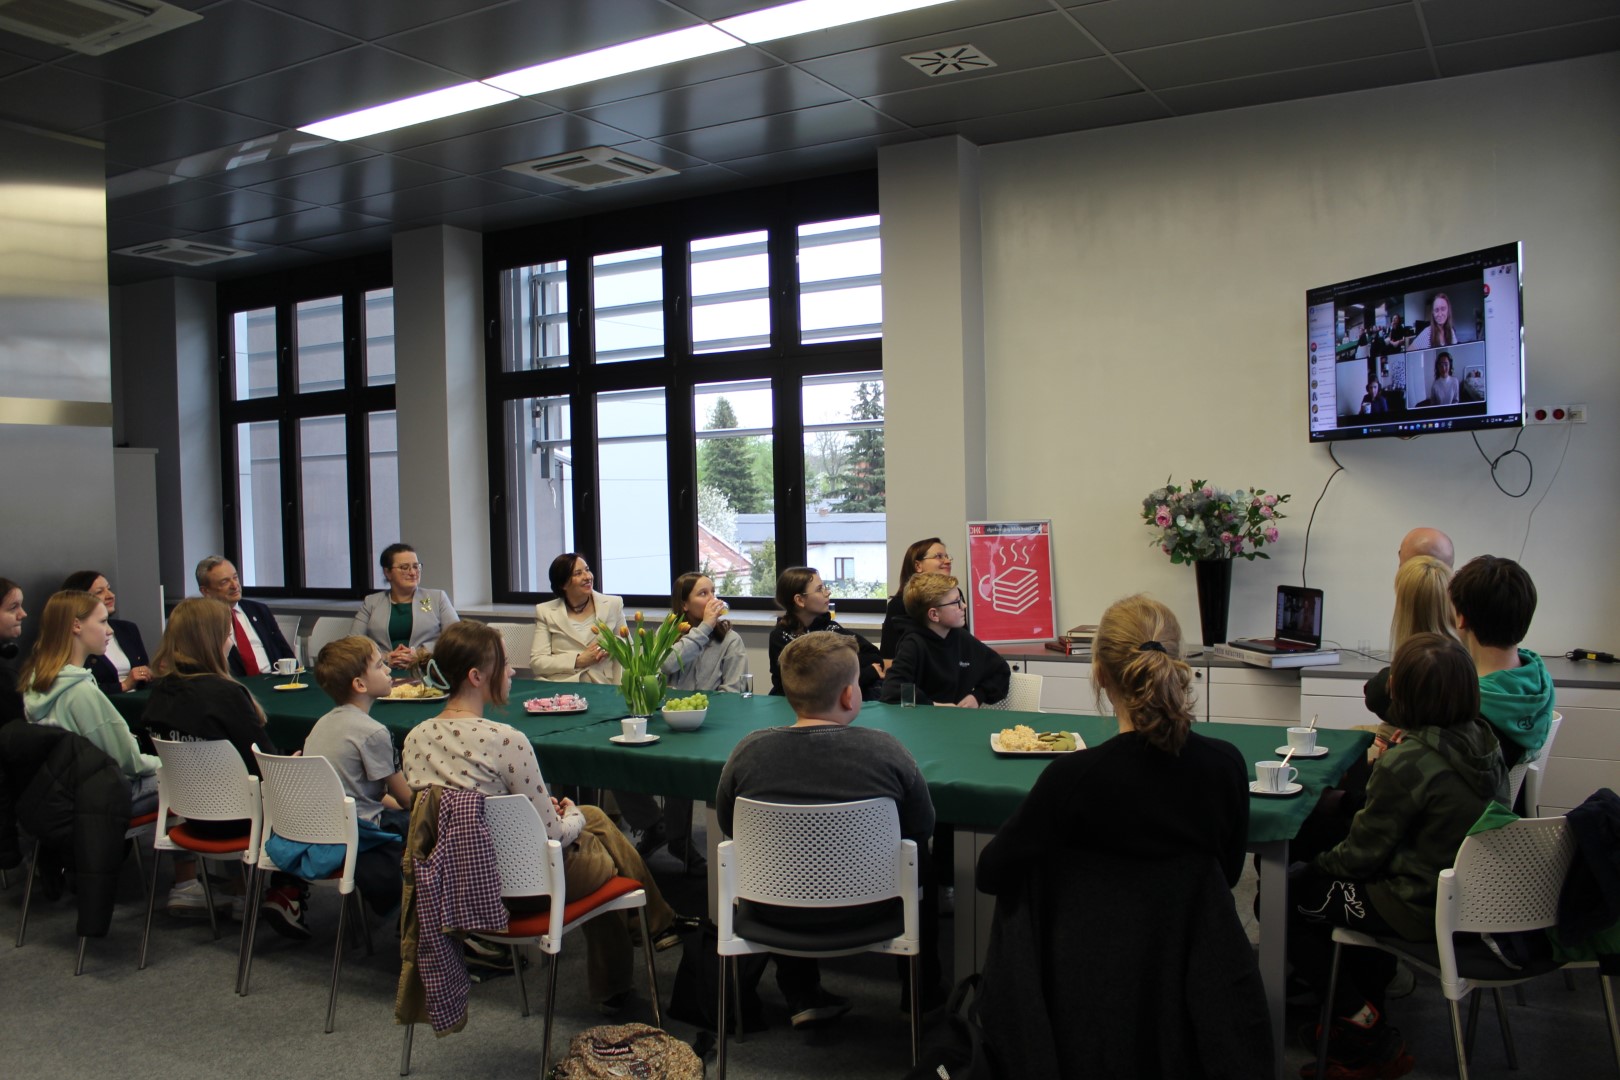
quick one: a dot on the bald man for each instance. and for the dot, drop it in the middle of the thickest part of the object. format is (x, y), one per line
(1426, 541)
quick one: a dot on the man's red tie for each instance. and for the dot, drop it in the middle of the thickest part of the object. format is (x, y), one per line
(244, 647)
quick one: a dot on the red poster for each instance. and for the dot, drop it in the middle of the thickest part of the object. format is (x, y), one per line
(1010, 581)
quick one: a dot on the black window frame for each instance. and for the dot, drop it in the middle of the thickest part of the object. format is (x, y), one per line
(351, 279)
(778, 210)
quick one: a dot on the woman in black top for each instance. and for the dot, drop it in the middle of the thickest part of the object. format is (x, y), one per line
(925, 556)
(11, 620)
(806, 606)
(124, 666)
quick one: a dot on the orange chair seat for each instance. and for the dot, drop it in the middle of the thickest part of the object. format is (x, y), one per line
(184, 837)
(539, 922)
(142, 820)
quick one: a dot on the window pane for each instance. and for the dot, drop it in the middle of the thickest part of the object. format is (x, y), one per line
(382, 449)
(253, 353)
(736, 487)
(731, 307)
(840, 280)
(628, 298)
(634, 467)
(258, 504)
(844, 482)
(380, 340)
(323, 475)
(534, 317)
(320, 344)
(539, 470)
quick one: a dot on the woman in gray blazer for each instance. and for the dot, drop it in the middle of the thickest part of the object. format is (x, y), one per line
(403, 616)
(565, 645)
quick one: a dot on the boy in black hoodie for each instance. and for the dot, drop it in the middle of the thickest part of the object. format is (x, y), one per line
(948, 665)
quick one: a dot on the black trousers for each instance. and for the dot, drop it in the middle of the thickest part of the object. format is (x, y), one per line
(1317, 903)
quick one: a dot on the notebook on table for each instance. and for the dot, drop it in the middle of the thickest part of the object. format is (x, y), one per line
(1298, 627)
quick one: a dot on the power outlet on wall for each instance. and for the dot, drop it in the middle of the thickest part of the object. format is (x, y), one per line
(1556, 414)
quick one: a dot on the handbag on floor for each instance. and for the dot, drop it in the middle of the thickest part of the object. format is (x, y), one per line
(955, 1049)
(615, 1051)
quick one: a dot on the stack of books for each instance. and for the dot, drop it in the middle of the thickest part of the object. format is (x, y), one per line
(1277, 660)
(1076, 642)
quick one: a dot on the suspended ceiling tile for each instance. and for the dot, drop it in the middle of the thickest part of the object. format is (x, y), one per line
(56, 99)
(221, 211)
(923, 22)
(358, 242)
(1339, 78)
(346, 183)
(174, 131)
(167, 191)
(431, 200)
(1057, 119)
(512, 215)
(1453, 21)
(122, 234)
(1122, 25)
(11, 63)
(505, 114)
(29, 48)
(487, 150)
(323, 156)
(1015, 44)
(1368, 34)
(495, 40)
(235, 40)
(992, 95)
(330, 85)
(742, 97)
(702, 180)
(659, 79)
(296, 228)
(846, 155)
(375, 19)
(785, 131)
(1558, 43)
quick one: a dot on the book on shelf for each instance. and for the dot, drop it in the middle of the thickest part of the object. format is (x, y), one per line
(1278, 660)
(1084, 633)
(1070, 648)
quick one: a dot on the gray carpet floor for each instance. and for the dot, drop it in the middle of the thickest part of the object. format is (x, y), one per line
(181, 1019)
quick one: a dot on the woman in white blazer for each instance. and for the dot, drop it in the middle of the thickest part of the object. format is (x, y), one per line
(403, 616)
(565, 645)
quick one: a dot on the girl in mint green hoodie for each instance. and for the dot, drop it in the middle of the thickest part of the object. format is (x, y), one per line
(59, 690)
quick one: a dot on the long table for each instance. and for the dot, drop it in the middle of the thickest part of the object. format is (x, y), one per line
(972, 787)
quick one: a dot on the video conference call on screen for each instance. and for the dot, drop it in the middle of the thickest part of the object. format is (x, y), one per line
(1436, 347)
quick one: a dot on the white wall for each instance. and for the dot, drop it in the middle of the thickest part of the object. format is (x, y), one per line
(1144, 317)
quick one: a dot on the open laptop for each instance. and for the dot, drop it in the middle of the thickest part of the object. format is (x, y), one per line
(1299, 623)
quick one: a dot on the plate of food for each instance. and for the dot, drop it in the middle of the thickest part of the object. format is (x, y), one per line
(410, 691)
(556, 703)
(1025, 741)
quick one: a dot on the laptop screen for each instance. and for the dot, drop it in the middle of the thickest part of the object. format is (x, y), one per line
(1299, 614)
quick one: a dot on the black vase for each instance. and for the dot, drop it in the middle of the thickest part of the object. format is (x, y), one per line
(1214, 597)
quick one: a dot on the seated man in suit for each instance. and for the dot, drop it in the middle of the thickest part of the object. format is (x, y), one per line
(259, 642)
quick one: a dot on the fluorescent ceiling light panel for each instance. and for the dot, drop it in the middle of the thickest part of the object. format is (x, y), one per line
(806, 16)
(412, 110)
(638, 55)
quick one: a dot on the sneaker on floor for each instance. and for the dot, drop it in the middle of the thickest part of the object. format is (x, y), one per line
(1404, 982)
(615, 1005)
(485, 960)
(1358, 1053)
(284, 909)
(817, 1010)
(186, 900)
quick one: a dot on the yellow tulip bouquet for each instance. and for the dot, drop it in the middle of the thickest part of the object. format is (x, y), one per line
(640, 654)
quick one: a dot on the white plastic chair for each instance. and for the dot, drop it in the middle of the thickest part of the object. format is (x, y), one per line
(519, 639)
(1023, 695)
(289, 629)
(327, 628)
(203, 781)
(1535, 772)
(531, 865)
(1504, 880)
(1517, 774)
(304, 801)
(820, 855)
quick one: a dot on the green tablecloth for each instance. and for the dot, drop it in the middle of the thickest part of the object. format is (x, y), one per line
(971, 786)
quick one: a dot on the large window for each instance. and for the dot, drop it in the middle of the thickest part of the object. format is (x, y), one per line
(310, 448)
(694, 386)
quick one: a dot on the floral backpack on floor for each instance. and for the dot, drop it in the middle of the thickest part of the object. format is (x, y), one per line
(637, 1051)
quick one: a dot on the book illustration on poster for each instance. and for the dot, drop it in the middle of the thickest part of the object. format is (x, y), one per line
(1278, 660)
(1009, 581)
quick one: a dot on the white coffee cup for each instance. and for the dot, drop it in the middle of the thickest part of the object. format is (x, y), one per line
(286, 667)
(635, 728)
(1302, 740)
(1274, 775)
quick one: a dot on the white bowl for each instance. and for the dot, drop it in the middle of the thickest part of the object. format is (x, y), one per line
(684, 719)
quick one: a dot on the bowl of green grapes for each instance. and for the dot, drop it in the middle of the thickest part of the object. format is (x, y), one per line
(686, 713)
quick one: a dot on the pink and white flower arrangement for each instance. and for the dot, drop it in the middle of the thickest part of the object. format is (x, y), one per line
(1203, 522)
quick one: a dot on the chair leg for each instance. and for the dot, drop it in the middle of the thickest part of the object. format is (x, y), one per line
(78, 965)
(1607, 985)
(208, 897)
(250, 931)
(1473, 1022)
(916, 1013)
(337, 961)
(365, 921)
(720, 1021)
(1507, 1032)
(551, 1004)
(523, 988)
(1326, 1020)
(1456, 1041)
(652, 969)
(405, 1054)
(28, 893)
(151, 902)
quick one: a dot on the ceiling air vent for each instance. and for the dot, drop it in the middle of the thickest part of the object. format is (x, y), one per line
(184, 252)
(952, 60)
(595, 167)
(91, 26)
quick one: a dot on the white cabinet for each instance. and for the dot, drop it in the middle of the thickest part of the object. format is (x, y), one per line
(1337, 703)
(1252, 695)
(1586, 756)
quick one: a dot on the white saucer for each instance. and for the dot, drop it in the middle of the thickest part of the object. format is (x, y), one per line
(1320, 751)
(1291, 789)
(622, 741)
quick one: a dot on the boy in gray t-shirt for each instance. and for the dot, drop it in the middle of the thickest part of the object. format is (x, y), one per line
(821, 758)
(355, 674)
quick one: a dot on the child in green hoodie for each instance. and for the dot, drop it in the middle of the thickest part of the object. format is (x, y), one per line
(1495, 600)
(59, 689)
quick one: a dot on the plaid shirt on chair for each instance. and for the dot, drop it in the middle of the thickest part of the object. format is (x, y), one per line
(458, 888)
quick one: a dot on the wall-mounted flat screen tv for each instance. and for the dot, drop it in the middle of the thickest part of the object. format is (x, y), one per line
(1431, 348)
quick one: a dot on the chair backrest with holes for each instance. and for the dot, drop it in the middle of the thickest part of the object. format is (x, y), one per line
(1520, 773)
(530, 863)
(1508, 879)
(304, 799)
(817, 855)
(519, 641)
(205, 780)
(1536, 774)
(1023, 695)
(327, 628)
